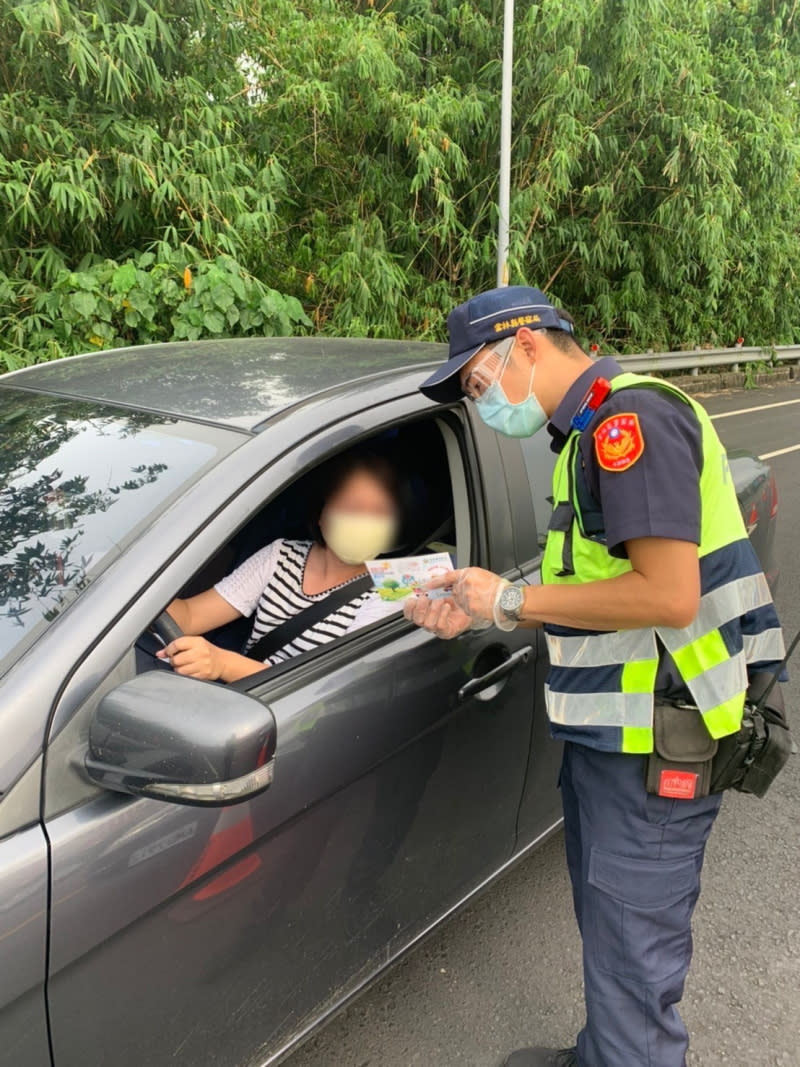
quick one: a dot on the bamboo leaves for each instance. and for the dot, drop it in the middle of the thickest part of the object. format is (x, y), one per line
(337, 161)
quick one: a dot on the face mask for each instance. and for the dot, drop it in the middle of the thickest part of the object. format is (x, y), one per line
(514, 420)
(355, 538)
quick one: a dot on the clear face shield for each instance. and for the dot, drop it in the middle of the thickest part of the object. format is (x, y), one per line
(483, 384)
(489, 369)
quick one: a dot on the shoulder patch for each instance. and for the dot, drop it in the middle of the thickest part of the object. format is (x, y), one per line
(618, 441)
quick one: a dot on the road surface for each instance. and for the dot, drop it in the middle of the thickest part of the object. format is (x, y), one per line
(506, 971)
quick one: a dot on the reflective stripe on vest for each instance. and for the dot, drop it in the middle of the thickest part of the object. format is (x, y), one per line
(735, 625)
(766, 647)
(728, 602)
(601, 650)
(610, 709)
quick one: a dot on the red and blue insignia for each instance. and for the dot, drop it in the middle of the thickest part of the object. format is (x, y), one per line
(618, 442)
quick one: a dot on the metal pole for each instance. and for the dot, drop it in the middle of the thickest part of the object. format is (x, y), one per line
(504, 199)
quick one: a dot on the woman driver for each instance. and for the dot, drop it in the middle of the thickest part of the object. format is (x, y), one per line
(358, 521)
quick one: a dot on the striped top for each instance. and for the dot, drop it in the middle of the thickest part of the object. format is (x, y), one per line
(269, 586)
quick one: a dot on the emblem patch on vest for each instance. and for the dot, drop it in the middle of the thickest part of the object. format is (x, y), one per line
(618, 442)
(678, 784)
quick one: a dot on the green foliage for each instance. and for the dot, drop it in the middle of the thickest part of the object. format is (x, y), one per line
(655, 168)
(123, 124)
(753, 370)
(345, 155)
(668, 204)
(130, 152)
(140, 301)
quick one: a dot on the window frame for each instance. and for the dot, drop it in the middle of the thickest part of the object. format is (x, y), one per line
(528, 532)
(267, 683)
(541, 503)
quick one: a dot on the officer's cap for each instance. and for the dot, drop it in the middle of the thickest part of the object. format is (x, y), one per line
(489, 317)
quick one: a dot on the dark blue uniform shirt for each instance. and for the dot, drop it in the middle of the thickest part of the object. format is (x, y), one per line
(659, 494)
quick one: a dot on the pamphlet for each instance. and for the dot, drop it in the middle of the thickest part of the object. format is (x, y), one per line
(396, 579)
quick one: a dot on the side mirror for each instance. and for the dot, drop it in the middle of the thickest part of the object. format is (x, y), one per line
(172, 738)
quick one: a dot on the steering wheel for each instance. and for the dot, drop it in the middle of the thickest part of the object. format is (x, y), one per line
(165, 628)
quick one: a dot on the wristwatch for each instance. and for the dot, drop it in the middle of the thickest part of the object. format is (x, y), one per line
(510, 602)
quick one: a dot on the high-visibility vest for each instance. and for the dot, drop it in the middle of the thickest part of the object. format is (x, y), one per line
(600, 690)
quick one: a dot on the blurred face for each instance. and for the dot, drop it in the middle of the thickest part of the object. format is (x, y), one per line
(362, 494)
(360, 520)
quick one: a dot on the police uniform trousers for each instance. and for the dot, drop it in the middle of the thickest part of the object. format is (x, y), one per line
(634, 860)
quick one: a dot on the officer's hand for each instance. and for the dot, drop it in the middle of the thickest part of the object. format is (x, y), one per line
(441, 616)
(473, 590)
(194, 657)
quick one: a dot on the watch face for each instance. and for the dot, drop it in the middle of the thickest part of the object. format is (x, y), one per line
(511, 600)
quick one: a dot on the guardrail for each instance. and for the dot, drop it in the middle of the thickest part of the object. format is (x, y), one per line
(709, 357)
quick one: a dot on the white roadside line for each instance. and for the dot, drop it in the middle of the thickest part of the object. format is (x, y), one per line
(779, 452)
(760, 407)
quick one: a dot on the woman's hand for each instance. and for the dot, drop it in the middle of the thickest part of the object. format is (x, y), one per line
(195, 657)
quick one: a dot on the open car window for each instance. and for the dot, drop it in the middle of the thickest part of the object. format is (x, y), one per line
(426, 455)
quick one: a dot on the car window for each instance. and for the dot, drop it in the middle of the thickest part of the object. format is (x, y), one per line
(427, 459)
(78, 481)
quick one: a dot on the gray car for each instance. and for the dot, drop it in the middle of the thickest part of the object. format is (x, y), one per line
(194, 874)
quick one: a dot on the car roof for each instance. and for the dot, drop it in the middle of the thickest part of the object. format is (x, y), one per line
(240, 382)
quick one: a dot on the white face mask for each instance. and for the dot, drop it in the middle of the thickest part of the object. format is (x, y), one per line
(355, 537)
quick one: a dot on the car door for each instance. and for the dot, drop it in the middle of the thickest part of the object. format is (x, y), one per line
(23, 924)
(528, 464)
(189, 936)
(25, 696)
(62, 517)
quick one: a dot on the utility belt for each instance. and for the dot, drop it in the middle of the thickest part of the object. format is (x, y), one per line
(688, 763)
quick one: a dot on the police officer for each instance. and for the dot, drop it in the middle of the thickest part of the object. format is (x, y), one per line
(652, 598)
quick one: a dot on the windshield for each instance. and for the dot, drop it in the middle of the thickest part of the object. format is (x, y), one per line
(78, 481)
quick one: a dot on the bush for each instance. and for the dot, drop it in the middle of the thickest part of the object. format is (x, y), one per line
(177, 297)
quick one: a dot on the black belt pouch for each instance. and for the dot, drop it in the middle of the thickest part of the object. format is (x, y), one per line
(751, 759)
(680, 766)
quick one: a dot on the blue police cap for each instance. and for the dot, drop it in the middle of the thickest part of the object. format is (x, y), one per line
(485, 318)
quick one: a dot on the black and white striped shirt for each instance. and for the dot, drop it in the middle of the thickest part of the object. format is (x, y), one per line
(269, 586)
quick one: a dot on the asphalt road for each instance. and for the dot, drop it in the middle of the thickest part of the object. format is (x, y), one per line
(506, 971)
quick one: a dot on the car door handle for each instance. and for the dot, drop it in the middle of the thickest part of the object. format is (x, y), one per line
(483, 681)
